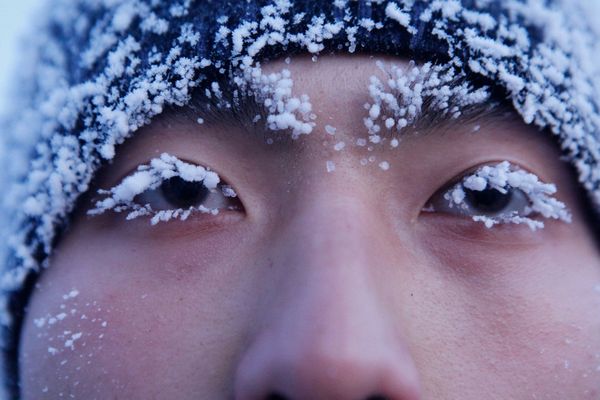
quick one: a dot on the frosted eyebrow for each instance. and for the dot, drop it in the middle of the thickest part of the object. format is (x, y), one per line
(425, 98)
(432, 122)
(431, 119)
(245, 111)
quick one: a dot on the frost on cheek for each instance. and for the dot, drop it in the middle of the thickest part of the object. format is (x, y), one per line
(58, 328)
(122, 198)
(506, 178)
(69, 338)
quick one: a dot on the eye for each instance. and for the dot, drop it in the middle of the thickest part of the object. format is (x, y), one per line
(168, 188)
(177, 193)
(500, 194)
(487, 202)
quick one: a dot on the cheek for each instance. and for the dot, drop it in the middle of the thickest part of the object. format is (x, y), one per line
(163, 319)
(529, 319)
(65, 335)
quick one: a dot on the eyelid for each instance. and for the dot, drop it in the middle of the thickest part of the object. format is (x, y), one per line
(504, 176)
(150, 176)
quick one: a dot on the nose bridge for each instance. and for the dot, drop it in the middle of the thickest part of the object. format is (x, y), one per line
(328, 252)
(335, 222)
(334, 246)
(328, 335)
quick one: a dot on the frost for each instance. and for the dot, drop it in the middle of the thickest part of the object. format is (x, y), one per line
(228, 191)
(286, 112)
(330, 129)
(506, 178)
(70, 343)
(330, 165)
(384, 165)
(149, 177)
(339, 146)
(399, 101)
(39, 322)
(361, 142)
(394, 12)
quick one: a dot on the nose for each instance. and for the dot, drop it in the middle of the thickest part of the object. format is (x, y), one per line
(326, 332)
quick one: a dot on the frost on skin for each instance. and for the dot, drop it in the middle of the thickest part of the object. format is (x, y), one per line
(331, 130)
(59, 339)
(339, 146)
(71, 336)
(330, 165)
(150, 176)
(506, 178)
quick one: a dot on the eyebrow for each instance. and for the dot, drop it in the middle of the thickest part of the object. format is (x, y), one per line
(244, 110)
(432, 121)
(239, 109)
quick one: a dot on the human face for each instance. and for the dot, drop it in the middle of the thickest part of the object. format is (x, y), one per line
(325, 285)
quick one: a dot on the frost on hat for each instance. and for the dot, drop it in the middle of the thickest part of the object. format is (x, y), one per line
(99, 70)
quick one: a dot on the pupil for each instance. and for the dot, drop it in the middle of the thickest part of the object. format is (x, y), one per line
(183, 194)
(488, 201)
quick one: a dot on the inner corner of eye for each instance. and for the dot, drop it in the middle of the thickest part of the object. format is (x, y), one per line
(428, 207)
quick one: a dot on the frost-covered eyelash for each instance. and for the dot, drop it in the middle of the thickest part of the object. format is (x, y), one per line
(150, 176)
(505, 176)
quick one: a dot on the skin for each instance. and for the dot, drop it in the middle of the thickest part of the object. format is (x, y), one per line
(328, 285)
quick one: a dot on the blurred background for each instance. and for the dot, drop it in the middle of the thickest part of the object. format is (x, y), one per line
(14, 16)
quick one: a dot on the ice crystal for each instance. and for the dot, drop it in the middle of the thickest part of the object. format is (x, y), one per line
(505, 178)
(339, 146)
(384, 165)
(330, 165)
(274, 90)
(121, 198)
(398, 102)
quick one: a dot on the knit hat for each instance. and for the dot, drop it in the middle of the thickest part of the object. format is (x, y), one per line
(96, 71)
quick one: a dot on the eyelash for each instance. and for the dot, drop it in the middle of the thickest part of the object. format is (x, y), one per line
(522, 196)
(150, 183)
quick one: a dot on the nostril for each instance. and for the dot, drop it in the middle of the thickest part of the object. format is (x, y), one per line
(377, 397)
(276, 396)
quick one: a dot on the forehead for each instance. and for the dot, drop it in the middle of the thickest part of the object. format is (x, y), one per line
(338, 89)
(335, 77)
(370, 97)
